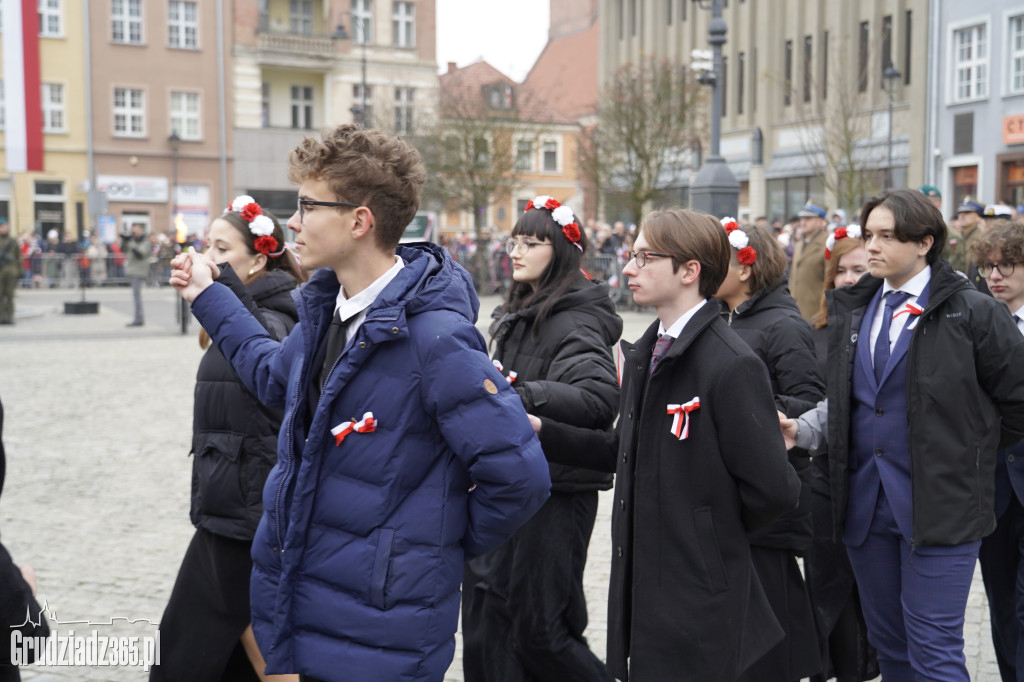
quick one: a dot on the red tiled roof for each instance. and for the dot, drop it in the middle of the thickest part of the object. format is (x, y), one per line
(466, 84)
(564, 76)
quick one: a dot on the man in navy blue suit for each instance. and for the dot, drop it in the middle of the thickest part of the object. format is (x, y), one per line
(925, 383)
(999, 257)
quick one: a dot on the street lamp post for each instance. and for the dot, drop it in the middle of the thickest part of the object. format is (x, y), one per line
(890, 75)
(715, 190)
(341, 33)
(174, 140)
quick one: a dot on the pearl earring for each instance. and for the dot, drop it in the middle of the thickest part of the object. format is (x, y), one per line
(252, 271)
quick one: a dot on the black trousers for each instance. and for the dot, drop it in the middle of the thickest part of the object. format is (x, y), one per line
(523, 608)
(1003, 573)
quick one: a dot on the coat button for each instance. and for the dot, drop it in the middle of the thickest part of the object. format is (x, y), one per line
(879, 412)
(624, 458)
(631, 414)
(622, 504)
(362, 344)
(394, 330)
(1009, 458)
(878, 452)
(618, 551)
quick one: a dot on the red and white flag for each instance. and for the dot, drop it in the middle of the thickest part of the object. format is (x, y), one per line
(23, 107)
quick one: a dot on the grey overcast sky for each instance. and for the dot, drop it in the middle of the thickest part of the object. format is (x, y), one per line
(508, 34)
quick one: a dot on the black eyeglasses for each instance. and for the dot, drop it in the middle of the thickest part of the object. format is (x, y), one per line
(1005, 269)
(302, 203)
(641, 257)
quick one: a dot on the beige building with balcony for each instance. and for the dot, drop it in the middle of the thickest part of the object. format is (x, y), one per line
(802, 80)
(300, 66)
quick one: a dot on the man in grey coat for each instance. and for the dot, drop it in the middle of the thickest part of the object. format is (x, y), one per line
(136, 248)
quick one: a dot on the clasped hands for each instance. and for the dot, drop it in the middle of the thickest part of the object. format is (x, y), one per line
(192, 272)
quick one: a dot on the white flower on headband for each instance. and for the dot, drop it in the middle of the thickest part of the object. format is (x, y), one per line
(241, 202)
(562, 215)
(261, 226)
(852, 230)
(541, 201)
(738, 239)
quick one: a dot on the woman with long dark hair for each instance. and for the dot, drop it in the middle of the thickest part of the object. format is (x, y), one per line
(206, 631)
(524, 610)
(761, 311)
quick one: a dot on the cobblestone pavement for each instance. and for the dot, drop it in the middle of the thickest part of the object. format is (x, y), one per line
(97, 431)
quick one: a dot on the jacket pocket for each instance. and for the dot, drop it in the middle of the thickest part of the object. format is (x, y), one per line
(381, 562)
(707, 539)
(217, 475)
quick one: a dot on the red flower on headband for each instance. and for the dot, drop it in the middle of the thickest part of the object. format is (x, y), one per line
(551, 204)
(746, 256)
(840, 233)
(250, 211)
(265, 244)
(572, 232)
(730, 226)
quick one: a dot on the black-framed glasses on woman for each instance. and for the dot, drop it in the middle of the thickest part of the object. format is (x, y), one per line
(1005, 269)
(512, 246)
(641, 257)
(302, 203)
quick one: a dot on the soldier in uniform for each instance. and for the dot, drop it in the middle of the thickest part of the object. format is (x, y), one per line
(10, 272)
(969, 217)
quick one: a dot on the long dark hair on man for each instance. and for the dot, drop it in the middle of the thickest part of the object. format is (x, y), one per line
(563, 271)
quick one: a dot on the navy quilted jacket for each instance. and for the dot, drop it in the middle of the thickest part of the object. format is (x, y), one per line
(358, 556)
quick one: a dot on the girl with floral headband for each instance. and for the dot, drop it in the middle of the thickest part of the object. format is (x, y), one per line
(206, 625)
(524, 610)
(761, 311)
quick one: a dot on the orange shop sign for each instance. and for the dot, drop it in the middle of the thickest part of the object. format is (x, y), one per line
(1013, 129)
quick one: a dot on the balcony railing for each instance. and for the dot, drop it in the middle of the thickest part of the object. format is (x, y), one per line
(295, 44)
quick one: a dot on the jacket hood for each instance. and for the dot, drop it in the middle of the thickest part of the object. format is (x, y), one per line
(774, 296)
(273, 291)
(586, 297)
(430, 281)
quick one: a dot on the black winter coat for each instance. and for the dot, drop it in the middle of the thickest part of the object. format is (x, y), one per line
(234, 435)
(965, 396)
(566, 371)
(684, 602)
(771, 324)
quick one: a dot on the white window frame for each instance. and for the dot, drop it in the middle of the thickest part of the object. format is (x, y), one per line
(357, 101)
(980, 87)
(525, 161)
(182, 30)
(405, 110)
(54, 107)
(305, 106)
(403, 24)
(1014, 57)
(185, 118)
(130, 112)
(51, 18)
(543, 154)
(362, 22)
(121, 16)
(300, 17)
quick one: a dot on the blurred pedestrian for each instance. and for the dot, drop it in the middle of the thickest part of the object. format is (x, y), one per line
(137, 250)
(206, 632)
(808, 270)
(523, 607)
(10, 272)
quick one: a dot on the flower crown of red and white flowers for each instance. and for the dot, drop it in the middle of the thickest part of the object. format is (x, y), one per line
(261, 226)
(562, 215)
(738, 239)
(852, 231)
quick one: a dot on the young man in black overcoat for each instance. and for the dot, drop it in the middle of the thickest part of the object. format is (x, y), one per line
(700, 463)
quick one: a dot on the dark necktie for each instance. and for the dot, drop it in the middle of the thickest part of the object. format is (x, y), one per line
(661, 347)
(336, 339)
(893, 300)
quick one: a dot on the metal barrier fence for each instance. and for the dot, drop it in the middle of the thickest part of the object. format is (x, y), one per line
(59, 270)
